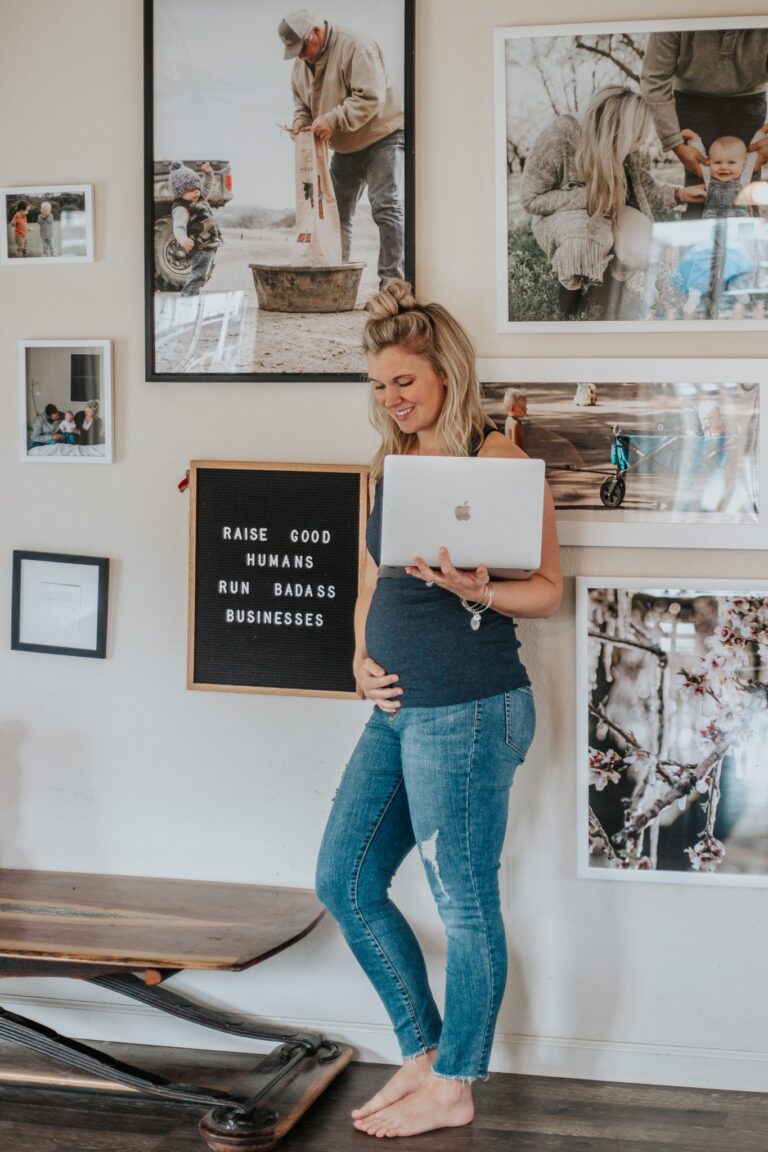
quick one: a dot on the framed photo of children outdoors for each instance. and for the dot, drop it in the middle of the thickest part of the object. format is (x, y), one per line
(51, 224)
(642, 453)
(672, 679)
(632, 175)
(279, 183)
(65, 401)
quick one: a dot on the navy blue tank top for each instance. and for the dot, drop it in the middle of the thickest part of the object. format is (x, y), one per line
(424, 635)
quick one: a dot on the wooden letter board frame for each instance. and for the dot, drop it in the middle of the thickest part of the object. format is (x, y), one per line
(249, 544)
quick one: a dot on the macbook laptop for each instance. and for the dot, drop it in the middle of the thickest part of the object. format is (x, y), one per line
(483, 510)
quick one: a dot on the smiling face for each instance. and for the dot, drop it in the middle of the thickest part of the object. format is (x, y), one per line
(408, 388)
(727, 158)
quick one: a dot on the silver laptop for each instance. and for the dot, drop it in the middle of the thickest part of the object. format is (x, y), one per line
(483, 510)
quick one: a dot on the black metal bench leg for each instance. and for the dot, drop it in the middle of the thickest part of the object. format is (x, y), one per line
(45, 1041)
(175, 1005)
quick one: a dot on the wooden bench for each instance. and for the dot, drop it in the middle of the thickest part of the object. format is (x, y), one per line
(130, 934)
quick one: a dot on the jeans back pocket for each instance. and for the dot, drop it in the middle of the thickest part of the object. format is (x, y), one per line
(520, 720)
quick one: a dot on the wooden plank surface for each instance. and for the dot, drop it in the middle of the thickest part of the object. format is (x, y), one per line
(514, 1114)
(148, 922)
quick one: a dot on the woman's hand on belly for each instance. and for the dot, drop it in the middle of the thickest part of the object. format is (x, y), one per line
(378, 685)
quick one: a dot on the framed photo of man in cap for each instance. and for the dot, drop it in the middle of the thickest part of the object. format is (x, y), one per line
(279, 183)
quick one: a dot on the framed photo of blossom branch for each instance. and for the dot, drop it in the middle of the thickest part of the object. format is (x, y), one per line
(672, 727)
(642, 453)
(629, 166)
(279, 183)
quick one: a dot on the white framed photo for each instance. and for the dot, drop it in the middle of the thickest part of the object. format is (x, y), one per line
(49, 224)
(642, 453)
(59, 604)
(672, 687)
(65, 401)
(628, 164)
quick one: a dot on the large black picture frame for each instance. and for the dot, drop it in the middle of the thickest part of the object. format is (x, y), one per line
(216, 88)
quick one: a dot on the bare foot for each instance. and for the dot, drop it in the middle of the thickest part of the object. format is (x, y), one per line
(406, 1080)
(438, 1103)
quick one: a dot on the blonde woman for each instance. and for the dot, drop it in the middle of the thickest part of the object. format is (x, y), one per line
(590, 191)
(453, 720)
(89, 424)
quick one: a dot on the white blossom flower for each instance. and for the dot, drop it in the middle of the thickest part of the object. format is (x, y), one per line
(707, 854)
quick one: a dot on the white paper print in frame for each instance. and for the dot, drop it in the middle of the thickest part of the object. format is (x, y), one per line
(672, 687)
(642, 453)
(75, 376)
(697, 274)
(66, 238)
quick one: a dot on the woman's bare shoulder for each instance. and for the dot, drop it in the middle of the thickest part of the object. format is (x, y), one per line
(497, 445)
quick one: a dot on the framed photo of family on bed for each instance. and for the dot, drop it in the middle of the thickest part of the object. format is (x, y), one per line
(632, 175)
(65, 401)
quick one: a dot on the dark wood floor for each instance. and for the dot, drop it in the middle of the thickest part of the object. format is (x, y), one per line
(514, 1114)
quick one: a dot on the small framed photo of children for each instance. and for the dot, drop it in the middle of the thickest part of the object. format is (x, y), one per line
(47, 225)
(279, 183)
(672, 680)
(65, 401)
(642, 453)
(632, 175)
(59, 604)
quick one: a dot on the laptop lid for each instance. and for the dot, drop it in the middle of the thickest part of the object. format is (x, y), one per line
(484, 510)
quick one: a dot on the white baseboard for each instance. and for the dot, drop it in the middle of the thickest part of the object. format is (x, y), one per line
(526, 1055)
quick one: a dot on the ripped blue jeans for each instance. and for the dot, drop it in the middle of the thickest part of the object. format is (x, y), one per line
(438, 778)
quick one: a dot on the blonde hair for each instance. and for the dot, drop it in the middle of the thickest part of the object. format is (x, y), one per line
(617, 122)
(395, 319)
(93, 405)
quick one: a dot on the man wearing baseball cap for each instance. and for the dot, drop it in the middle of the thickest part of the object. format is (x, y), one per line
(343, 93)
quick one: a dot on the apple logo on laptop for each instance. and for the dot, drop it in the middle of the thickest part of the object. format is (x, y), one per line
(462, 511)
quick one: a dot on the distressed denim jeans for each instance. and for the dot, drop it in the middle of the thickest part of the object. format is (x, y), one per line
(438, 778)
(380, 168)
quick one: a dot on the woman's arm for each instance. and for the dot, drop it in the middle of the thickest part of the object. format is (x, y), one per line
(537, 597)
(662, 197)
(375, 683)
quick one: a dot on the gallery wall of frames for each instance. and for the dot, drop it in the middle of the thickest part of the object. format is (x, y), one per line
(639, 453)
(619, 318)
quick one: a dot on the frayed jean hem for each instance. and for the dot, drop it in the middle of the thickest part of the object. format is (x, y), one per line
(462, 1079)
(421, 1052)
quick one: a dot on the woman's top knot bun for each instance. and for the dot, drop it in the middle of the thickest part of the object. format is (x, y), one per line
(396, 296)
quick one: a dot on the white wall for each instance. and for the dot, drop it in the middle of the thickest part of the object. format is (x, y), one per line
(113, 766)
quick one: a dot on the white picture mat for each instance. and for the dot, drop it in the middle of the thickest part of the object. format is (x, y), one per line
(86, 190)
(105, 404)
(645, 532)
(583, 869)
(58, 604)
(500, 37)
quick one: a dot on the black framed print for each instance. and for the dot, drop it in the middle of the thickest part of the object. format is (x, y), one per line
(59, 604)
(279, 183)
